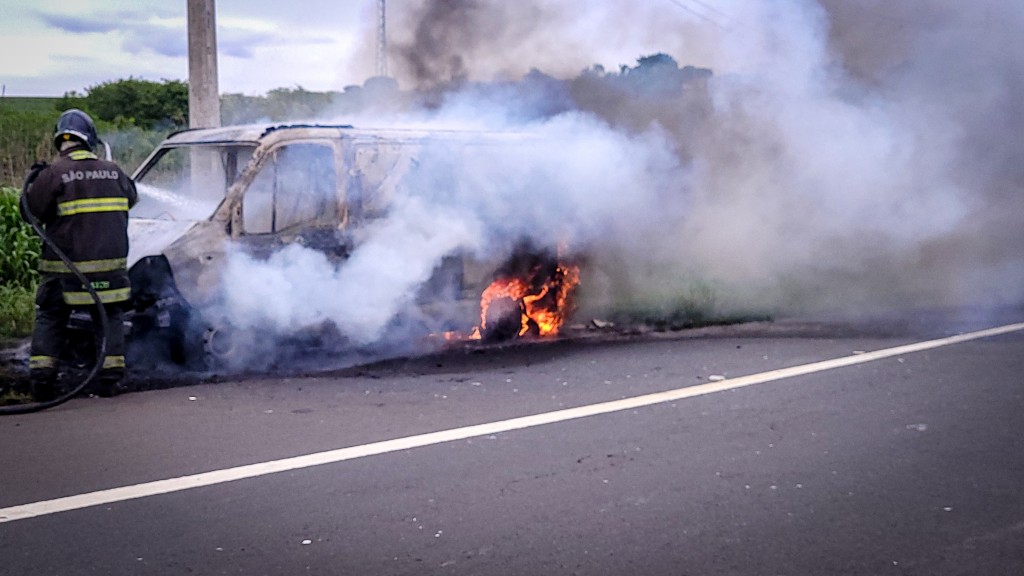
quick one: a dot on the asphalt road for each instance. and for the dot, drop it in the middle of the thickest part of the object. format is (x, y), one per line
(906, 464)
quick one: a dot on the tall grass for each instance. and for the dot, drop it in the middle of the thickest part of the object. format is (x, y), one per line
(30, 103)
(17, 310)
(25, 137)
(20, 244)
(18, 259)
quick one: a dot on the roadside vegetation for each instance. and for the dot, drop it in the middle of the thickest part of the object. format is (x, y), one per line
(18, 276)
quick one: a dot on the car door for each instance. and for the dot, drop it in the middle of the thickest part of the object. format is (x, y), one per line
(294, 198)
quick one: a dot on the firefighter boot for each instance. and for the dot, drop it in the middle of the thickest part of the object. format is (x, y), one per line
(20, 390)
(111, 383)
(44, 385)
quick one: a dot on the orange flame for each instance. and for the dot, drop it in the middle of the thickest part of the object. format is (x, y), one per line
(544, 303)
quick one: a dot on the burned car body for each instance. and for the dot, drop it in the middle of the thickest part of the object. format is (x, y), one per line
(207, 192)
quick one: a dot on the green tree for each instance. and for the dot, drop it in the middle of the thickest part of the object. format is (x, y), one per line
(278, 105)
(142, 103)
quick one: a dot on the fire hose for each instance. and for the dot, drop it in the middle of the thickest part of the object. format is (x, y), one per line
(101, 333)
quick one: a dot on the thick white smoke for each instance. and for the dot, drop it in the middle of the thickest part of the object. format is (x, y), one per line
(811, 187)
(845, 155)
(300, 287)
(874, 142)
(570, 181)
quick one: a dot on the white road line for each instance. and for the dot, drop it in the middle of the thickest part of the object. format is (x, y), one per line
(253, 470)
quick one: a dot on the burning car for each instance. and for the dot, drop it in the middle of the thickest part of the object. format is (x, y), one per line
(208, 194)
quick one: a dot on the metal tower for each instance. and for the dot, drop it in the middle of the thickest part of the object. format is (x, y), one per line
(382, 39)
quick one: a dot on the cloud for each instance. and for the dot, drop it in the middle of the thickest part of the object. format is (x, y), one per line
(245, 43)
(141, 32)
(164, 34)
(238, 44)
(81, 24)
(307, 42)
(156, 40)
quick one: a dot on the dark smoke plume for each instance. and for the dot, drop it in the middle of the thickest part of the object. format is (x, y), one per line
(444, 31)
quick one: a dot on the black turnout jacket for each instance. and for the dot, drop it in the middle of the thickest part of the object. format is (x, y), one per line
(82, 203)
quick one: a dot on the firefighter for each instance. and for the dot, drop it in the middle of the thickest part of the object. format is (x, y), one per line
(82, 203)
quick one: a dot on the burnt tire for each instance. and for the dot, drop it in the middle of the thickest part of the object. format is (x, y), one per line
(164, 328)
(503, 321)
(230, 349)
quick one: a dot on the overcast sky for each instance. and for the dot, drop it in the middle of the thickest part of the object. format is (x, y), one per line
(50, 47)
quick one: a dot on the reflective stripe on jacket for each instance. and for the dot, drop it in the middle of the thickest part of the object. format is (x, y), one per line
(82, 203)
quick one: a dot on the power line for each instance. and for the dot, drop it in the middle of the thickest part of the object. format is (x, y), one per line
(711, 8)
(704, 17)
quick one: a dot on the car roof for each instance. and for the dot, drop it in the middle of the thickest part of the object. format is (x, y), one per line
(257, 133)
(243, 133)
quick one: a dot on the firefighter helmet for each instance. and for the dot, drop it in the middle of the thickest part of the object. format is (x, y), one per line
(75, 124)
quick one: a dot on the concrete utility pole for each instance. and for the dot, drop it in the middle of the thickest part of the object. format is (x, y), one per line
(203, 93)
